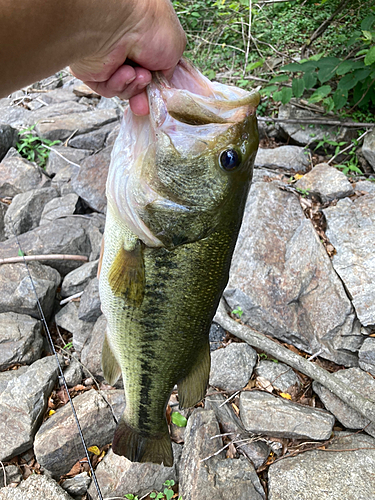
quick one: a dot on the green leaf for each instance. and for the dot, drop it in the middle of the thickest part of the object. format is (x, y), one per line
(268, 90)
(276, 96)
(279, 78)
(254, 65)
(328, 62)
(344, 68)
(326, 73)
(153, 495)
(309, 65)
(310, 80)
(370, 56)
(292, 67)
(340, 98)
(362, 74)
(298, 87)
(329, 104)
(361, 52)
(367, 23)
(367, 35)
(20, 253)
(320, 93)
(168, 493)
(286, 95)
(178, 419)
(347, 82)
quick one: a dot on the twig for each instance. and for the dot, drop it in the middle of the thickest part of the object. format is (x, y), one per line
(315, 355)
(29, 258)
(316, 121)
(347, 147)
(227, 400)
(248, 39)
(61, 156)
(71, 135)
(364, 406)
(5, 474)
(214, 43)
(68, 299)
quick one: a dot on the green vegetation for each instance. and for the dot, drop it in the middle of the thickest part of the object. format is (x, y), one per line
(237, 312)
(166, 494)
(178, 419)
(34, 148)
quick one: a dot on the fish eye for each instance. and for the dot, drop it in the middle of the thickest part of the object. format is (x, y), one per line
(230, 159)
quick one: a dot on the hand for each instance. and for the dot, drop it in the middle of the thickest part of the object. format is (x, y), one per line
(151, 36)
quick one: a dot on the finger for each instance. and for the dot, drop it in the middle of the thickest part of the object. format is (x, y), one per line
(139, 104)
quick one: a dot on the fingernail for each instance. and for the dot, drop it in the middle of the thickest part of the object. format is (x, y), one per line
(131, 80)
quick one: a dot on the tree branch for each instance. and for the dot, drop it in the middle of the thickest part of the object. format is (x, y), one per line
(316, 121)
(29, 258)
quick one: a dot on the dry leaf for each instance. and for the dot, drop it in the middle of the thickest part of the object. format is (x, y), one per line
(236, 409)
(94, 449)
(231, 452)
(264, 384)
(51, 412)
(285, 395)
(298, 176)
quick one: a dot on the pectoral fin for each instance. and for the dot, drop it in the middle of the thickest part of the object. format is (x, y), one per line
(192, 388)
(126, 275)
(100, 258)
(110, 367)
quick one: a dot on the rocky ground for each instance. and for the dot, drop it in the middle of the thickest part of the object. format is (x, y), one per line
(303, 274)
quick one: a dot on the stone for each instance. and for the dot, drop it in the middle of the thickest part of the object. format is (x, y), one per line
(217, 335)
(94, 140)
(89, 306)
(9, 376)
(92, 350)
(280, 376)
(8, 138)
(107, 103)
(95, 232)
(77, 280)
(62, 236)
(263, 413)
(55, 96)
(34, 488)
(3, 210)
(290, 158)
(15, 116)
(22, 406)
(47, 115)
(20, 339)
(207, 478)
(368, 148)
(90, 182)
(326, 182)
(73, 373)
(26, 209)
(358, 381)
(322, 475)
(57, 445)
(61, 156)
(351, 230)
(112, 136)
(60, 207)
(283, 280)
(77, 485)
(365, 187)
(67, 318)
(17, 293)
(231, 367)
(12, 474)
(118, 476)
(18, 175)
(63, 126)
(367, 356)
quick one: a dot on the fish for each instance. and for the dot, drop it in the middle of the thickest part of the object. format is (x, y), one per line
(176, 191)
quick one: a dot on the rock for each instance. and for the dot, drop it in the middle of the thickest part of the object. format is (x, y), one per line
(351, 230)
(60, 207)
(48, 115)
(9, 376)
(13, 476)
(280, 376)
(35, 487)
(58, 95)
(217, 335)
(94, 140)
(92, 350)
(320, 475)
(22, 406)
(26, 209)
(368, 148)
(73, 373)
(326, 182)
(62, 156)
(112, 136)
(291, 158)
(107, 103)
(67, 318)
(77, 280)
(91, 180)
(256, 451)
(365, 187)
(263, 413)
(20, 339)
(213, 478)
(3, 210)
(62, 236)
(358, 381)
(95, 232)
(8, 138)
(89, 307)
(57, 444)
(282, 278)
(77, 485)
(118, 476)
(14, 116)
(18, 175)
(17, 293)
(231, 367)
(63, 126)
(367, 355)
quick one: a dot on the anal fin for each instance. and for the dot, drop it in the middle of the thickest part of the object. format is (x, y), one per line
(110, 367)
(192, 388)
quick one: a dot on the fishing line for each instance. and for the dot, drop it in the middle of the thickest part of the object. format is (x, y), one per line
(43, 319)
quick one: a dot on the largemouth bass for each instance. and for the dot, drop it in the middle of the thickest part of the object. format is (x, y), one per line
(176, 191)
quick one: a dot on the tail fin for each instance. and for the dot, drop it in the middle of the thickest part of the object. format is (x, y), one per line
(130, 443)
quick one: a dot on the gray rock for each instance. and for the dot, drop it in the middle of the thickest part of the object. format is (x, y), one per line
(291, 158)
(112, 136)
(263, 413)
(358, 381)
(92, 351)
(214, 477)
(8, 377)
(58, 95)
(77, 485)
(231, 367)
(367, 355)
(15, 116)
(20, 339)
(73, 373)
(22, 406)
(118, 476)
(91, 180)
(280, 376)
(63, 126)
(62, 181)
(368, 148)
(106, 103)
(89, 306)
(59, 207)
(18, 175)
(3, 210)
(92, 140)
(77, 280)
(47, 114)
(351, 230)
(366, 187)
(34, 488)
(256, 450)
(326, 476)
(282, 278)
(63, 236)
(61, 156)
(67, 318)
(26, 209)
(57, 445)
(17, 293)
(8, 138)
(95, 232)
(217, 335)
(326, 182)
(12, 474)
